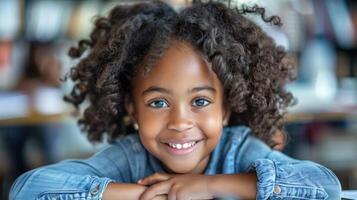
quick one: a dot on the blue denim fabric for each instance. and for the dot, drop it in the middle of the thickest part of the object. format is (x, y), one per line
(279, 176)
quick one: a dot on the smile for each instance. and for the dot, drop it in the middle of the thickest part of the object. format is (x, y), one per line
(181, 148)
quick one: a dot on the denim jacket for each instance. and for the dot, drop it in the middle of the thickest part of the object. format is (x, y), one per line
(126, 160)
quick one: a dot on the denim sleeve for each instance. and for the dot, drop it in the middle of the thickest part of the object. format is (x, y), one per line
(280, 176)
(72, 179)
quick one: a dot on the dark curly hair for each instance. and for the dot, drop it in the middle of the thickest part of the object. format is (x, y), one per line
(249, 64)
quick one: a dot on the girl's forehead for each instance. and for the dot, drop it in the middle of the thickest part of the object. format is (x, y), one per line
(180, 58)
(180, 63)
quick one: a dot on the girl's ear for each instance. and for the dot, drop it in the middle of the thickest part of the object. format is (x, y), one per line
(226, 116)
(129, 106)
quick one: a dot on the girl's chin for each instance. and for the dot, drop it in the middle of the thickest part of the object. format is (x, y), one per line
(176, 169)
(180, 171)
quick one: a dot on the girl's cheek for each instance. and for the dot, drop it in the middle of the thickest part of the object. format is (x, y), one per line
(211, 124)
(212, 121)
(151, 124)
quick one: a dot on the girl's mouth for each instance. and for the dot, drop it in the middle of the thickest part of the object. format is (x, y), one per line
(181, 149)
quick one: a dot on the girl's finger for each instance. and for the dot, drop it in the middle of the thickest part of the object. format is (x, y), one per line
(172, 193)
(152, 179)
(155, 190)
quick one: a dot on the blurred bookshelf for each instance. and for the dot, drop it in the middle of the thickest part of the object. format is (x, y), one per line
(320, 37)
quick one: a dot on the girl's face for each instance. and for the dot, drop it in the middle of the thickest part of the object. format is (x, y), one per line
(179, 108)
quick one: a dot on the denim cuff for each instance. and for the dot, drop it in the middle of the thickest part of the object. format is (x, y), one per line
(266, 174)
(98, 187)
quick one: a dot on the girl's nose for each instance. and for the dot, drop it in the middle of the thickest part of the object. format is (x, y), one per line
(180, 120)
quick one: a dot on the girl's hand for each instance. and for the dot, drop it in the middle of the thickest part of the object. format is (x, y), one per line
(160, 197)
(155, 178)
(177, 187)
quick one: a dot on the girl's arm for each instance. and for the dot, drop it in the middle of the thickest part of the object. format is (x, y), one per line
(199, 186)
(81, 186)
(78, 179)
(124, 191)
(279, 176)
(64, 180)
(234, 185)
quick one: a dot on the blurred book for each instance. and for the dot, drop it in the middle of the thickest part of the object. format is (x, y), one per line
(9, 19)
(49, 100)
(13, 104)
(47, 20)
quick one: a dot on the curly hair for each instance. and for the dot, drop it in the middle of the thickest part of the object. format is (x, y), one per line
(251, 67)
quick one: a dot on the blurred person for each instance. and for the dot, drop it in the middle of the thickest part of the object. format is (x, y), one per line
(41, 69)
(7, 71)
(31, 145)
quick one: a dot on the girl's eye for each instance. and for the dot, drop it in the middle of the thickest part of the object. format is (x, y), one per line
(158, 104)
(201, 102)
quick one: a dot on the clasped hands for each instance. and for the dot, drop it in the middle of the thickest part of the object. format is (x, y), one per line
(176, 187)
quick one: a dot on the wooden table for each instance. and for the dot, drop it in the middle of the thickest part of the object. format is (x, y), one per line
(35, 118)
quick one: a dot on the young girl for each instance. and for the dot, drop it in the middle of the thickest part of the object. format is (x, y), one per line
(175, 80)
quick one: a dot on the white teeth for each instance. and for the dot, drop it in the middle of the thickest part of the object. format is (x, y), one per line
(182, 146)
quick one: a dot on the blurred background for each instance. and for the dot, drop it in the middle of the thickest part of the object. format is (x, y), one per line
(36, 127)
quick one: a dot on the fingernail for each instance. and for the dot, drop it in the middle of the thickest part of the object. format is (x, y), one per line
(139, 181)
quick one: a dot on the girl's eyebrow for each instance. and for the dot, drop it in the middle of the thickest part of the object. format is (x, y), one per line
(204, 87)
(164, 90)
(155, 89)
